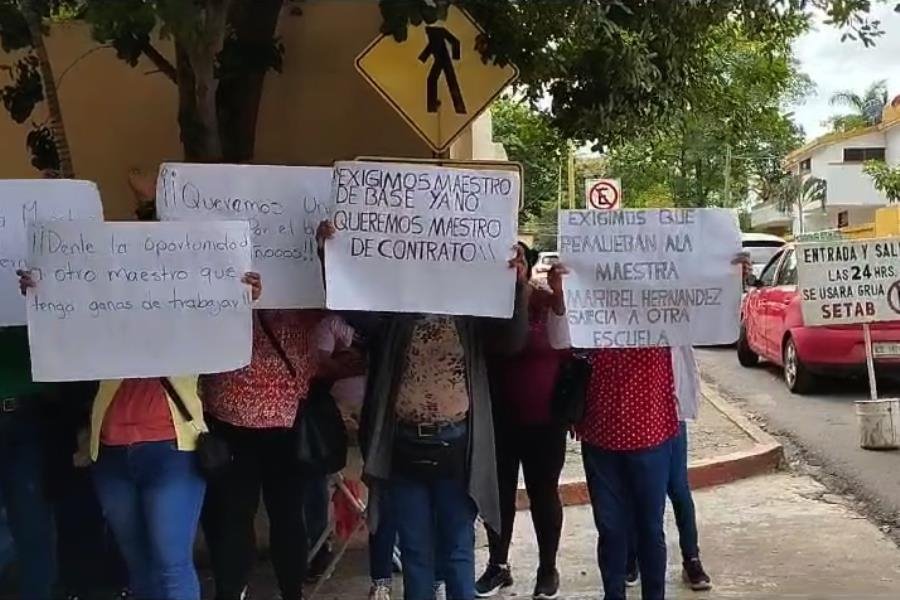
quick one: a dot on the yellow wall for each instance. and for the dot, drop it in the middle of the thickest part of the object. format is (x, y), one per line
(887, 221)
(317, 111)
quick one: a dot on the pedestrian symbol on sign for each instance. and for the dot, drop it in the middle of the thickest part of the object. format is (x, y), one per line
(438, 40)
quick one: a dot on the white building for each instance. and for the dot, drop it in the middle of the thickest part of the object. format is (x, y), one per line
(838, 158)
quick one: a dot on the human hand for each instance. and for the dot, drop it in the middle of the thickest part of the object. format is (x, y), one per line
(519, 263)
(555, 278)
(325, 231)
(255, 282)
(26, 281)
(743, 259)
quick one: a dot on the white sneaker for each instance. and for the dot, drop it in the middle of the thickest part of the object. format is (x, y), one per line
(440, 591)
(380, 591)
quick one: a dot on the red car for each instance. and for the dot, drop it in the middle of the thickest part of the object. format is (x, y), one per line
(772, 329)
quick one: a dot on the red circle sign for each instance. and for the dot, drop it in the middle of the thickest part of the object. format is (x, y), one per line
(604, 196)
(893, 297)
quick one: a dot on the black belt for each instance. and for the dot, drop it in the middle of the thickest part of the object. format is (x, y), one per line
(426, 430)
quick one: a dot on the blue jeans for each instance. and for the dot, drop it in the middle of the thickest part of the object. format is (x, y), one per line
(625, 488)
(435, 521)
(28, 510)
(151, 495)
(680, 496)
(381, 543)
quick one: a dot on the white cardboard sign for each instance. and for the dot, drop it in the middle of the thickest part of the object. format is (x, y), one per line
(851, 281)
(284, 206)
(26, 201)
(646, 278)
(117, 300)
(422, 239)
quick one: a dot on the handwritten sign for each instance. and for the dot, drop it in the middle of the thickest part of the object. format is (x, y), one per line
(284, 206)
(117, 300)
(422, 239)
(651, 277)
(26, 201)
(848, 282)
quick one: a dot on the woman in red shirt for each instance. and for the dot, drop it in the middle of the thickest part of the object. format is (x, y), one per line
(627, 434)
(527, 436)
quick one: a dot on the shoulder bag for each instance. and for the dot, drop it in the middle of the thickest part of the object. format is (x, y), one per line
(320, 436)
(213, 453)
(570, 393)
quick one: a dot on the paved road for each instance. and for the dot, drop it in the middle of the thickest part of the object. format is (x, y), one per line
(824, 425)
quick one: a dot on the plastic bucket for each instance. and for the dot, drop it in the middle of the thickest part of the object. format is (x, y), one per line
(879, 423)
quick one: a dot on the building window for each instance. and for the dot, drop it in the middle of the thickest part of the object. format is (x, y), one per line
(805, 166)
(843, 219)
(854, 155)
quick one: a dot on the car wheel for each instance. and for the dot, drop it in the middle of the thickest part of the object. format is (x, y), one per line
(796, 375)
(746, 356)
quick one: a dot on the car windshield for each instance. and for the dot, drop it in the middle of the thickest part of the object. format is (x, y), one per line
(761, 253)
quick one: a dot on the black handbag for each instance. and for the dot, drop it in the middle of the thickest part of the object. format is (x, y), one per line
(570, 393)
(213, 454)
(427, 460)
(320, 434)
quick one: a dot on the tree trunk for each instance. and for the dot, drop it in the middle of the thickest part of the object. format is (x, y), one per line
(254, 23)
(199, 56)
(57, 128)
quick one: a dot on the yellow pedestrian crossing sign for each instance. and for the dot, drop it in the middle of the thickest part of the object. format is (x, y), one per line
(436, 78)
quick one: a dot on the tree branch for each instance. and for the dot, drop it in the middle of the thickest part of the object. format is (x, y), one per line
(160, 61)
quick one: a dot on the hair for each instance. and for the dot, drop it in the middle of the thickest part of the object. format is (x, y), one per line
(531, 256)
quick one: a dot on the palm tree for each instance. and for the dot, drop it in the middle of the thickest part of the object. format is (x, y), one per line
(797, 191)
(36, 29)
(867, 107)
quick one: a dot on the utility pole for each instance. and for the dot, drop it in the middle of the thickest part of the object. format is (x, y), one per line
(728, 175)
(571, 174)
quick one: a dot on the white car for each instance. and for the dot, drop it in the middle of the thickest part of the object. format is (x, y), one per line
(762, 247)
(544, 262)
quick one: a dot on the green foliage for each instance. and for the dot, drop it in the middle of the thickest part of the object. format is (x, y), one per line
(25, 92)
(42, 145)
(796, 191)
(530, 139)
(14, 34)
(867, 107)
(886, 179)
(734, 107)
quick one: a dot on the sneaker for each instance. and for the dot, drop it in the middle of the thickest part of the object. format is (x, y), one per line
(694, 575)
(440, 591)
(632, 577)
(380, 591)
(547, 585)
(495, 578)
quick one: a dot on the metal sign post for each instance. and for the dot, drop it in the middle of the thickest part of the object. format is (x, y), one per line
(870, 362)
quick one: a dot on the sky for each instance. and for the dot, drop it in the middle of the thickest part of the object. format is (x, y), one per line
(833, 66)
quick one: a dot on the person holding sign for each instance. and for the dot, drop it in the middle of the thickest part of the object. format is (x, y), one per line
(428, 438)
(254, 410)
(528, 435)
(141, 440)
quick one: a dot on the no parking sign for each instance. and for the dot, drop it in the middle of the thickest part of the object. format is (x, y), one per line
(603, 194)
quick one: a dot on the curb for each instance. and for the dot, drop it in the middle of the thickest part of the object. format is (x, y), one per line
(765, 456)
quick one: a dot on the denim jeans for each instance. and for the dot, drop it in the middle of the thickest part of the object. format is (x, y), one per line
(625, 488)
(381, 543)
(435, 521)
(680, 496)
(151, 494)
(28, 511)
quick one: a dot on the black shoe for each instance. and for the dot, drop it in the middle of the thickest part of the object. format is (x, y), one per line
(694, 575)
(319, 564)
(632, 577)
(495, 578)
(547, 585)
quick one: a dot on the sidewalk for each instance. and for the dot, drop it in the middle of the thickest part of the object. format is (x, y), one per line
(775, 536)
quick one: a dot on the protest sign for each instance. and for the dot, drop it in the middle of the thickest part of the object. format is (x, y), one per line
(422, 239)
(25, 201)
(659, 277)
(284, 206)
(850, 281)
(116, 300)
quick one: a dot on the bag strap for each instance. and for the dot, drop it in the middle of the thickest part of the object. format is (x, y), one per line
(176, 399)
(276, 344)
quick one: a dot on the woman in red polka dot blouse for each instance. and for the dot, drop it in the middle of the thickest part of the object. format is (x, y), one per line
(628, 431)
